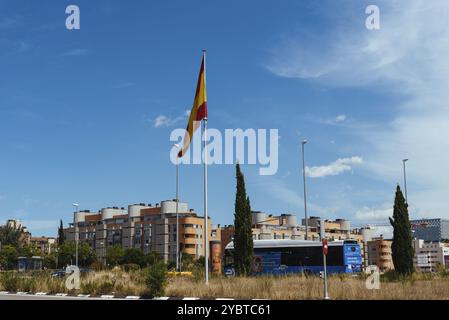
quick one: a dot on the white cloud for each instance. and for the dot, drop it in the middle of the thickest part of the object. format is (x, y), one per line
(334, 168)
(373, 214)
(166, 121)
(340, 118)
(291, 197)
(406, 57)
(383, 231)
(162, 121)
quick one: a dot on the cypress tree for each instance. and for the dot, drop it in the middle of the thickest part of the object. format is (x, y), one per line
(402, 249)
(61, 236)
(243, 237)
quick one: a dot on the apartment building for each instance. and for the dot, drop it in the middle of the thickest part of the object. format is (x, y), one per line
(45, 244)
(379, 254)
(429, 256)
(144, 226)
(434, 230)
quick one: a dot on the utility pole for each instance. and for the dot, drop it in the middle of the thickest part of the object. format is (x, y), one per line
(305, 194)
(405, 180)
(76, 232)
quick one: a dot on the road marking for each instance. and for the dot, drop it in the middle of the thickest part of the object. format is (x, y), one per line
(41, 294)
(106, 296)
(61, 294)
(84, 295)
(22, 293)
(132, 297)
(4, 292)
(224, 299)
(191, 298)
(161, 298)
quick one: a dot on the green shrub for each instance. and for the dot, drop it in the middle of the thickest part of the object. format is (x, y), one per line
(106, 287)
(56, 285)
(88, 287)
(156, 279)
(127, 267)
(28, 284)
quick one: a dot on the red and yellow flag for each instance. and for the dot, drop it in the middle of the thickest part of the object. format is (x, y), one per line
(199, 109)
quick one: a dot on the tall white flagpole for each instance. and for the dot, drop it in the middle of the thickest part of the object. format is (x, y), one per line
(206, 231)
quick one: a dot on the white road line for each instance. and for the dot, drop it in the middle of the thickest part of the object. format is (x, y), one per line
(84, 295)
(41, 294)
(190, 298)
(106, 296)
(61, 294)
(224, 299)
(161, 298)
(22, 293)
(132, 297)
(4, 292)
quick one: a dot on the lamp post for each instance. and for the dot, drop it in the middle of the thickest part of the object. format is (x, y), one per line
(103, 249)
(177, 209)
(76, 206)
(405, 180)
(304, 183)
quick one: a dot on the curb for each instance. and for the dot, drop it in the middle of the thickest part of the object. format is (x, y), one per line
(108, 297)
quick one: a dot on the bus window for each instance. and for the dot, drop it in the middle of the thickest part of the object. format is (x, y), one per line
(335, 256)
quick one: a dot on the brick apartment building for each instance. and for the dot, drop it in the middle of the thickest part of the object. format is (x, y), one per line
(149, 228)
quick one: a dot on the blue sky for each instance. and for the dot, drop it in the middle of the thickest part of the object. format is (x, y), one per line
(78, 108)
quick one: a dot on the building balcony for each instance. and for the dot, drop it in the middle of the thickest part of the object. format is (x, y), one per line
(192, 240)
(189, 230)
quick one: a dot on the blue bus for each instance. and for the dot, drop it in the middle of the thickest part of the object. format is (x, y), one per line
(277, 257)
(29, 264)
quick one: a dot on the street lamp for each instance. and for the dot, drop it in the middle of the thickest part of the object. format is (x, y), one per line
(177, 207)
(304, 182)
(405, 180)
(76, 206)
(102, 244)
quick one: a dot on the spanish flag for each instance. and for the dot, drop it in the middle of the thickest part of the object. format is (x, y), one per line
(199, 108)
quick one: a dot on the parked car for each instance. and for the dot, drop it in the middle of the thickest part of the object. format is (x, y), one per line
(58, 274)
(85, 270)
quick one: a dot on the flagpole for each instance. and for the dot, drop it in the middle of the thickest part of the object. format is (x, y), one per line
(206, 231)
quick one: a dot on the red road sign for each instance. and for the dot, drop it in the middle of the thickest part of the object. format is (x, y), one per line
(325, 247)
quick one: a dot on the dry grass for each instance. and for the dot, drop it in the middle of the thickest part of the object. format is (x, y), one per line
(302, 288)
(295, 287)
(115, 282)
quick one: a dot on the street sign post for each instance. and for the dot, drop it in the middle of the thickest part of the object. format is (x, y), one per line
(325, 249)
